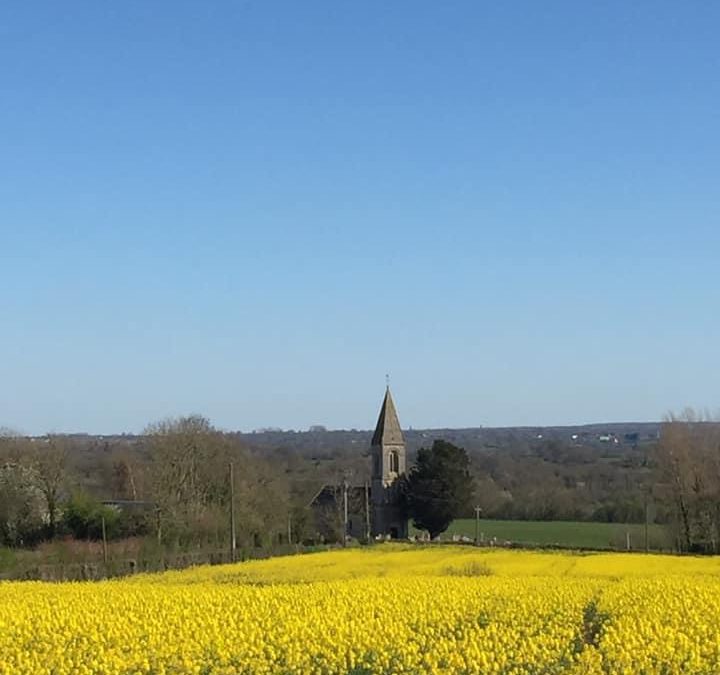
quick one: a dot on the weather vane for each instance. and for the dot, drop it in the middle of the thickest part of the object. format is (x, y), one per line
(387, 380)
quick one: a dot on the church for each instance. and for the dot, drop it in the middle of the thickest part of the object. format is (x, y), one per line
(372, 510)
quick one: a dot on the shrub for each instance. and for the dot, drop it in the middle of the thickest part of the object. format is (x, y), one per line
(83, 517)
(469, 569)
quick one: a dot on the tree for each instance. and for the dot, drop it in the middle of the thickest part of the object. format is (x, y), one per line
(123, 476)
(688, 456)
(439, 487)
(189, 462)
(21, 505)
(50, 462)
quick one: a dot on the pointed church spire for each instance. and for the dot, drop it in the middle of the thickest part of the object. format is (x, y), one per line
(387, 430)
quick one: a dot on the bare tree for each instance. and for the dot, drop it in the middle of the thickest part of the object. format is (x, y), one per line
(688, 457)
(128, 474)
(189, 463)
(13, 447)
(179, 454)
(50, 462)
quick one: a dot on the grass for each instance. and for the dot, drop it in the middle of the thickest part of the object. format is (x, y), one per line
(8, 558)
(564, 533)
(56, 558)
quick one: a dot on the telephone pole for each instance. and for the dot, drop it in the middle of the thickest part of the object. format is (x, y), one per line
(478, 510)
(104, 539)
(233, 540)
(645, 504)
(367, 511)
(345, 512)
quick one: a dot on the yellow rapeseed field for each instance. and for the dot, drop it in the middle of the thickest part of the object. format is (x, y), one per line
(386, 609)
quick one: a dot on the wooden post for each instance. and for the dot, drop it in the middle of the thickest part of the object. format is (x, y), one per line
(233, 540)
(368, 533)
(477, 525)
(345, 512)
(104, 539)
(647, 541)
(289, 529)
(627, 539)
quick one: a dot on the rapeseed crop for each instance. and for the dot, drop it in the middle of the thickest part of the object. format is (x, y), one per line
(386, 609)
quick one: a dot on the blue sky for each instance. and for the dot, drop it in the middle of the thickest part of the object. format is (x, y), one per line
(254, 210)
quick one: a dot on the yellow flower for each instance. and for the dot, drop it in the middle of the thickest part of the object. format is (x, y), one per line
(386, 609)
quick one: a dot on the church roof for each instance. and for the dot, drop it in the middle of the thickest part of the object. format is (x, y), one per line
(332, 494)
(387, 430)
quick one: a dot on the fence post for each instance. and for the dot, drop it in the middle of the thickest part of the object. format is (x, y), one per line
(104, 539)
(233, 540)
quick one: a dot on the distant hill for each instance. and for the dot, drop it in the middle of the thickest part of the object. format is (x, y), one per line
(585, 472)
(600, 436)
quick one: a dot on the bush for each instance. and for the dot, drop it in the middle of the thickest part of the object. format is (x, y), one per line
(83, 517)
(469, 569)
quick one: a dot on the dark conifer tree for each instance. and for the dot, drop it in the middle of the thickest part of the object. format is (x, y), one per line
(439, 487)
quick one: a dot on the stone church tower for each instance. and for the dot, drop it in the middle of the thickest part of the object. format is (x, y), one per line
(388, 464)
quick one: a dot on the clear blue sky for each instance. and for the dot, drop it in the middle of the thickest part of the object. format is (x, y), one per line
(254, 210)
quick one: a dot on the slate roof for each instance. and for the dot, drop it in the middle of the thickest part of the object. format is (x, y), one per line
(329, 494)
(387, 430)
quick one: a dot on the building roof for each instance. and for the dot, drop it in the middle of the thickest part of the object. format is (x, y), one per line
(329, 494)
(387, 431)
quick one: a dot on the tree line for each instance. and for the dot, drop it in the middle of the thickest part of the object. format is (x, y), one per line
(176, 476)
(170, 484)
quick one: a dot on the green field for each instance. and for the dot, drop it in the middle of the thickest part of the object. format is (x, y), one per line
(566, 534)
